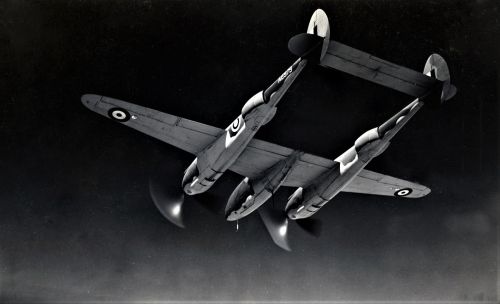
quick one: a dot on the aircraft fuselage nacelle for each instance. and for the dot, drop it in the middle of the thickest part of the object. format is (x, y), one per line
(251, 194)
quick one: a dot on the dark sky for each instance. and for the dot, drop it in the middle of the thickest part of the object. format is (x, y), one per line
(76, 219)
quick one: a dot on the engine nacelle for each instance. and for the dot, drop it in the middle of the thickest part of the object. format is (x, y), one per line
(190, 177)
(367, 137)
(250, 195)
(371, 143)
(252, 103)
(303, 203)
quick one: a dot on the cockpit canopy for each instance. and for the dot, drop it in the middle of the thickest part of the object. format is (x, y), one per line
(252, 103)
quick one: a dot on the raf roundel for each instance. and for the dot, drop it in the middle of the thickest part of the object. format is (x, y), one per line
(235, 127)
(119, 114)
(403, 192)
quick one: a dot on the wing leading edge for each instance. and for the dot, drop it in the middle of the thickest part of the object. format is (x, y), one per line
(192, 136)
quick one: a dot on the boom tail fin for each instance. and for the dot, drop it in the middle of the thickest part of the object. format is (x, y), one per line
(314, 43)
(436, 67)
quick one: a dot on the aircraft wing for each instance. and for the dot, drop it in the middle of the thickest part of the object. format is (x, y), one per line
(369, 182)
(188, 135)
(358, 63)
(192, 136)
(261, 155)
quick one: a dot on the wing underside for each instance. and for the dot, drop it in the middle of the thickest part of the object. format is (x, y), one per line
(261, 155)
(188, 135)
(192, 136)
(369, 182)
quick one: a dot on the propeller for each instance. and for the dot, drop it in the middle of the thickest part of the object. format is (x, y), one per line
(168, 196)
(276, 223)
(169, 200)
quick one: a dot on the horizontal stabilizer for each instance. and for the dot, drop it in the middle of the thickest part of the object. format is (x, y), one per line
(358, 63)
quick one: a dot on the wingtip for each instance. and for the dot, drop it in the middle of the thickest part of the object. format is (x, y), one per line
(90, 100)
(420, 194)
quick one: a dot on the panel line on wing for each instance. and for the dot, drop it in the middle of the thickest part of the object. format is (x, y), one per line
(379, 71)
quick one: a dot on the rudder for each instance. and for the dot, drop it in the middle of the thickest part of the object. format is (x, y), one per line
(436, 67)
(314, 43)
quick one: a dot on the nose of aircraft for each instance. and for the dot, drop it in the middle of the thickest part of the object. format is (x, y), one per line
(232, 205)
(239, 208)
(236, 200)
(231, 217)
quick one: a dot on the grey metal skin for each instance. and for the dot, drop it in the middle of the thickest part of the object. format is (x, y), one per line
(250, 195)
(217, 157)
(305, 202)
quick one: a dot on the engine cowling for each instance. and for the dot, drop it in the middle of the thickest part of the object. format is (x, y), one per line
(305, 202)
(190, 175)
(367, 137)
(250, 195)
(252, 103)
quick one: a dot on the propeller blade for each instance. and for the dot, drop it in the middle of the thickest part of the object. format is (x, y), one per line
(311, 226)
(169, 200)
(276, 223)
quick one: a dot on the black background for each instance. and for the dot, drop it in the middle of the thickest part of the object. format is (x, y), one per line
(76, 219)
